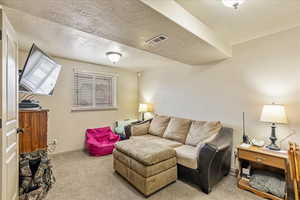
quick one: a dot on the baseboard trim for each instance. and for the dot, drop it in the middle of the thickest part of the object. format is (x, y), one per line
(233, 172)
(69, 151)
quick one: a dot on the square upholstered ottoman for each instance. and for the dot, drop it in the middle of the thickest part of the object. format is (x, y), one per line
(149, 167)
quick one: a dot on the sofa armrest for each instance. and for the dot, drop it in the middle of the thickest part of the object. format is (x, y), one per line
(223, 140)
(128, 128)
(214, 159)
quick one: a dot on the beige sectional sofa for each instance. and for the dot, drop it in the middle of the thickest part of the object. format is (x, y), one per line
(203, 149)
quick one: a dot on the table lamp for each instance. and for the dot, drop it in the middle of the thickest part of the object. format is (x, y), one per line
(274, 114)
(142, 109)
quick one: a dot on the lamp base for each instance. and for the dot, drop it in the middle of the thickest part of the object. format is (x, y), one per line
(273, 139)
(273, 147)
(143, 116)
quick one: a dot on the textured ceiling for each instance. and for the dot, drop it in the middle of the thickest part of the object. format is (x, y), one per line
(129, 22)
(254, 18)
(63, 41)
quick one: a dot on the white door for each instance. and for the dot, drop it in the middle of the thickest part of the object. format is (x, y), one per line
(9, 143)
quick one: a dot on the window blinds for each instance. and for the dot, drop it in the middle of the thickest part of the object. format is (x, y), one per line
(94, 91)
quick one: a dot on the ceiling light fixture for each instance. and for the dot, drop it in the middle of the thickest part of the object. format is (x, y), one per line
(233, 3)
(114, 57)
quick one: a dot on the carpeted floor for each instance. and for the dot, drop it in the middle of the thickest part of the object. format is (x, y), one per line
(81, 177)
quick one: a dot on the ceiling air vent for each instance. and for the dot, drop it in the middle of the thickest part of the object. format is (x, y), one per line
(156, 40)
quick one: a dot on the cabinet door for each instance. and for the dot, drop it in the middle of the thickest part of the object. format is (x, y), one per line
(39, 131)
(34, 125)
(25, 138)
(43, 132)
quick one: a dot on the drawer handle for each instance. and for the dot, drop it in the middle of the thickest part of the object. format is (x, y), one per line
(20, 130)
(259, 159)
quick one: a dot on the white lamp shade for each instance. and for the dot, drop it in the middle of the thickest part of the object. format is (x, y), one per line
(114, 57)
(274, 114)
(233, 3)
(143, 107)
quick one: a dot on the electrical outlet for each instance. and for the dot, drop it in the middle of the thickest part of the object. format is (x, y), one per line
(52, 146)
(54, 142)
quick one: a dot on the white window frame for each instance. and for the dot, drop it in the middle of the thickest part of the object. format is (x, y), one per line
(113, 76)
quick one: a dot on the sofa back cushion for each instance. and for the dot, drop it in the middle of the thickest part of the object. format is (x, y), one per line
(177, 129)
(202, 131)
(140, 129)
(158, 125)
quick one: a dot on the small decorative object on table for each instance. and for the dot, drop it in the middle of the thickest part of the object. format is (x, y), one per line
(274, 114)
(258, 143)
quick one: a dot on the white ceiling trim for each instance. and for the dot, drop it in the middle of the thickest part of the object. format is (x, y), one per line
(264, 35)
(254, 18)
(173, 11)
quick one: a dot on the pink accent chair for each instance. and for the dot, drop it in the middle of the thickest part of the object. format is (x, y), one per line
(100, 141)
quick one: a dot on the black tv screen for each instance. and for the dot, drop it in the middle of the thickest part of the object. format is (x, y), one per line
(40, 73)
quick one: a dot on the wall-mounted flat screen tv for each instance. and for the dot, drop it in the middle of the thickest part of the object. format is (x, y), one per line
(39, 74)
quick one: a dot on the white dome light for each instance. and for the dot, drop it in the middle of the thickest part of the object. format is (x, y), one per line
(114, 57)
(233, 3)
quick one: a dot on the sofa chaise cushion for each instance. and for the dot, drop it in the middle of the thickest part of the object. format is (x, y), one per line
(177, 129)
(187, 156)
(158, 125)
(145, 171)
(146, 152)
(202, 131)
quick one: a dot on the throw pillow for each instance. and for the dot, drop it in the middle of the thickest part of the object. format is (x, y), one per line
(158, 125)
(202, 131)
(140, 129)
(177, 129)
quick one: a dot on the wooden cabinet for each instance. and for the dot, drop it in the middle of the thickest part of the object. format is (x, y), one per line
(265, 159)
(34, 126)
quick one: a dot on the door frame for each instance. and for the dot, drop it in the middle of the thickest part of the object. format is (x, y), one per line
(6, 30)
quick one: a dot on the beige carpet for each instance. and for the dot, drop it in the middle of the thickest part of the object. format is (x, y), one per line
(81, 177)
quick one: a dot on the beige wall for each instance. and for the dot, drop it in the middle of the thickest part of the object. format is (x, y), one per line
(69, 127)
(261, 71)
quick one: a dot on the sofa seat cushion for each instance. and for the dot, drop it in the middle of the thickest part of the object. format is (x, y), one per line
(145, 171)
(202, 132)
(187, 156)
(146, 152)
(166, 142)
(177, 129)
(158, 125)
(147, 137)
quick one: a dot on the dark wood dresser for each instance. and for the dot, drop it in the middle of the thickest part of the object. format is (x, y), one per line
(34, 126)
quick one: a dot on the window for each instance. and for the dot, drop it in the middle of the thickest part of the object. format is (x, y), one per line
(94, 91)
